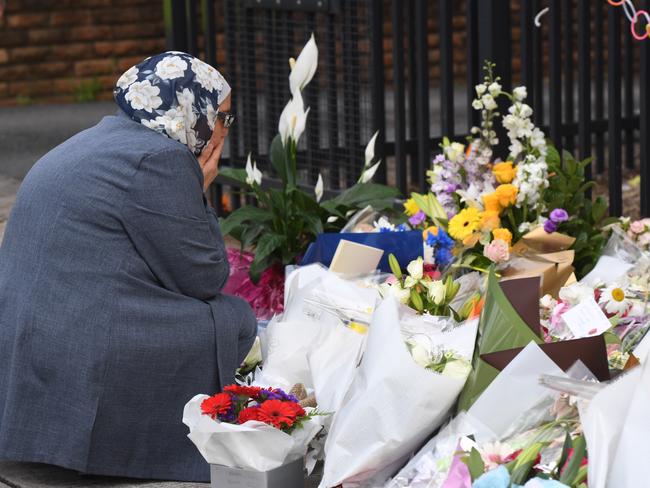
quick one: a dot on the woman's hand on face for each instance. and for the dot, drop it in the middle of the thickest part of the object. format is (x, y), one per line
(209, 160)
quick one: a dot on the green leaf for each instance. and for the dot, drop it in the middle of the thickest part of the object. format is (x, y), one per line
(521, 473)
(430, 205)
(565, 450)
(243, 214)
(362, 193)
(267, 244)
(552, 156)
(475, 464)
(234, 174)
(571, 471)
(279, 159)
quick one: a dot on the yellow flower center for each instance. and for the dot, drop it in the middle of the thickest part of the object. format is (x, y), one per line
(618, 294)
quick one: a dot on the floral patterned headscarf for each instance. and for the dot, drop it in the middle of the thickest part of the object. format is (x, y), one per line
(175, 94)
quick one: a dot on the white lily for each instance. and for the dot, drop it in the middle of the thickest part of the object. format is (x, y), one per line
(331, 219)
(293, 119)
(370, 149)
(318, 189)
(303, 68)
(369, 173)
(253, 175)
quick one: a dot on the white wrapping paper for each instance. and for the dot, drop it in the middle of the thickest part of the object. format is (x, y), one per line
(392, 406)
(253, 445)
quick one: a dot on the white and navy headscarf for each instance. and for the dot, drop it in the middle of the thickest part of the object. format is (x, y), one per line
(175, 94)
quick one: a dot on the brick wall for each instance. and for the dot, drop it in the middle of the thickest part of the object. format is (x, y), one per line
(67, 50)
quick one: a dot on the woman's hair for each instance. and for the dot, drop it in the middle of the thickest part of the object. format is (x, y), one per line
(175, 94)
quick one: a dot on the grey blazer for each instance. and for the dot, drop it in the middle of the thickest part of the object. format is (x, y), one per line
(111, 316)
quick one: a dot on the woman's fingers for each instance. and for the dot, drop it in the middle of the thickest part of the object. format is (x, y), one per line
(206, 154)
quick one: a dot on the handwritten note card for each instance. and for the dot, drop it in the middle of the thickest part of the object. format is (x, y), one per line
(586, 319)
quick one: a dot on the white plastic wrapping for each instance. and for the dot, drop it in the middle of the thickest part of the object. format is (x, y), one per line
(392, 406)
(253, 445)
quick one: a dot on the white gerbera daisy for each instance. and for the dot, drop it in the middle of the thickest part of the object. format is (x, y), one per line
(614, 300)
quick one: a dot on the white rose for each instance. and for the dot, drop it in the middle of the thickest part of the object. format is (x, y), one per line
(208, 77)
(576, 293)
(520, 93)
(416, 269)
(128, 77)
(402, 295)
(170, 67)
(477, 105)
(436, 291)
(186, 103)
(142, 95)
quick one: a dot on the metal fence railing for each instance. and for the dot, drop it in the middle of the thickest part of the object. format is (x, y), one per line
(408, 68)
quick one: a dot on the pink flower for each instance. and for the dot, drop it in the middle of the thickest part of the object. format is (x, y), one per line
(637, 227)
(497, 251)
(644, 239)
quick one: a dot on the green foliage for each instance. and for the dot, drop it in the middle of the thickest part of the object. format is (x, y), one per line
(87, 91)
(24, 100)
(287, 219)
(475, 464)
(567, 189)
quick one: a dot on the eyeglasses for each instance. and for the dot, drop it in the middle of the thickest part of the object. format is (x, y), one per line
(227, 118)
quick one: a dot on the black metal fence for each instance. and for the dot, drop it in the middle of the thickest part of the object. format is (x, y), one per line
(408, 69)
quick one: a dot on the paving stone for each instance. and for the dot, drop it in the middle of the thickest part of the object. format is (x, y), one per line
(32, 475)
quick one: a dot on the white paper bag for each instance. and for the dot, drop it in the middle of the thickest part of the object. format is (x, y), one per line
(253, 445)
(392, 406)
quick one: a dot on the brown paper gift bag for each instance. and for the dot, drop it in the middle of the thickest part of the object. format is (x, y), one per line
(545, 255)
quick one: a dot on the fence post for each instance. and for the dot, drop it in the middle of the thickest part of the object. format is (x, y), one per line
(175, 25)
(495, 44)
(376, 15)
(422, 91)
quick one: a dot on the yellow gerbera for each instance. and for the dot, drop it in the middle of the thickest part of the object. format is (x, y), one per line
(425, 233)
(491, 202)
(504, 172)
(489, 220)
(464, 223)
(410, 207)
(507, 195)
(503, 234)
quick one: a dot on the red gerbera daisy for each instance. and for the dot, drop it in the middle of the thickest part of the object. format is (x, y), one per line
(217, 404)
(276, 413)
(298, 411)
(249, 391)
(250, 413)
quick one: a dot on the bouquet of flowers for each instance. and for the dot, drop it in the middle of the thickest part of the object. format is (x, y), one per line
(249, 427)
(420, 289)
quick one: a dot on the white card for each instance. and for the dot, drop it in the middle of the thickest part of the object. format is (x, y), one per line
(353, 259)
(607, 269)
(586, 319)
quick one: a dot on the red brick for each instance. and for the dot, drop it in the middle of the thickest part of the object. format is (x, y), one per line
(72, 51)
(140, 14)
(70, 17)
(138, 31)
(15, 72)
(108, 81)
(125, 63)
(52, 69)
(92, 67)
(4, 56)
(47, 36)
(30, 53)
(90, 32)
(23, 20)
(117, 48)
(12, 37)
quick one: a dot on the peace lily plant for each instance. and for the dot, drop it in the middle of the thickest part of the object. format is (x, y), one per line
(284, 220)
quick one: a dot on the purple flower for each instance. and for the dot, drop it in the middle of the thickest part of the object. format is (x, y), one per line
(559, 215)
(418, 218)
(550, 226)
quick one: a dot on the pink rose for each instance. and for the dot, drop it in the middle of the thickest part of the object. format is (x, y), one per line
(637, 227)
(644, 239)
(497, 251)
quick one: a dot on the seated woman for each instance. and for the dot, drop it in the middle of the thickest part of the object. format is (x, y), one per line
(111, 316)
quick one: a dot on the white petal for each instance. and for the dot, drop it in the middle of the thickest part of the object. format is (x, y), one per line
(318, 189)
(367, 175)
(332, 219)
(370, 149)
(304, 67)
